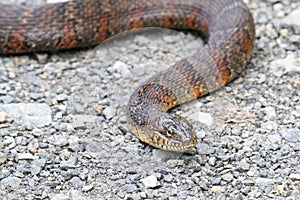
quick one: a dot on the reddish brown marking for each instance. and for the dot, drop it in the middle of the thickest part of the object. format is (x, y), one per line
(169, 102)
(68, 37)
(102, 29)
(196, 92)
(190, 19)
(137, 21)
(191, 22)
(166, 21)
(224, 76)
(248, 47)
(16, 41)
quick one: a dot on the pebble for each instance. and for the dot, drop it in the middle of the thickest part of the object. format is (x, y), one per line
(150, 182)
(216, 188)
(168, 178)
(292, 18)
(12, 182)
(75, 195)
(70, 163)
(289, 64)
(3, 158)
(26, 156)
(37, 166)
(3, 116)
(59, 197)
(227, 177)
(175, 163)
(87, 188)
(212, 161)
(243, 165)
(204, 118)
(290, 135)
(270, 113)
(76, 182)
(264, 181)
(109, 112)
(35, 114)
(10, 142)
(274, 138)
(295, 176)
(58, 140)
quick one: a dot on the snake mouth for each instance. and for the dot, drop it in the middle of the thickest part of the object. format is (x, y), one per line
(182, 147)
(168, 144)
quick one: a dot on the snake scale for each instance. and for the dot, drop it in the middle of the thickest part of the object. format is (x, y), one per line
(227, 26)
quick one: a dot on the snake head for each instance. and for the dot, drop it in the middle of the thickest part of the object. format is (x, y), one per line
(174, 133)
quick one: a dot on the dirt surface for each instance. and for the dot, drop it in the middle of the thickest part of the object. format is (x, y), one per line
(63, 132)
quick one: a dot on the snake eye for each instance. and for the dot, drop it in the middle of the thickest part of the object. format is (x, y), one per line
(169, 132)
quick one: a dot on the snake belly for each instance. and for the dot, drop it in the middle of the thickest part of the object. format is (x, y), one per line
(227, 26)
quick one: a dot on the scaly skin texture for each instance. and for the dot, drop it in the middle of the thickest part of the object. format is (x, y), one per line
(227, 25)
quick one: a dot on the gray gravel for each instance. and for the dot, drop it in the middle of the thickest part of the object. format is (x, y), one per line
(75, 144)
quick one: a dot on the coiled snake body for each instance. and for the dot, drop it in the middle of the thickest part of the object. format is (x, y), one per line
(227, 25)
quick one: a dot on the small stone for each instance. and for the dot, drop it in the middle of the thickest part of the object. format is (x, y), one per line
(87, 188)
(274, 138)
(204, 118)
(3, 158)
(264, 181)
(33, 114)
(295, 176)
(227, 177)
(36, 96)
(71, 163)
(290, 64)
(243, 165)
(258, 160)
(37, 166)
(270, 113)
(150, 182)
(3, 116)
(42, 57)
(12, 182)
(216, 189)
(59, 197)
(143, 195)
(58, 140)
(61, 97)
(36, 132)
(121, 68)
(109, 112)
(290, 135)
(174, 163)
(204, 148)
(98, 109)
(76, 195)
(80, 120)
(292, 18)
(212, 161)
(26, 156)
(168, 178)
(76, 182)
(261, 78)
(130, 188)
(9, 141)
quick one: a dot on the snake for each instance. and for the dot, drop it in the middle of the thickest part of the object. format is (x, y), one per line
(226, 26)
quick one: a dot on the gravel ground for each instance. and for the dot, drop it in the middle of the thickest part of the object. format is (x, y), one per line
(63, 132)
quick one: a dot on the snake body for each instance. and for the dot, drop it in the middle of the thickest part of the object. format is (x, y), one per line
(227, 26)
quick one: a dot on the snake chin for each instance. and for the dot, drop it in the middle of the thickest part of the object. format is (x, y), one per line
(174, 133)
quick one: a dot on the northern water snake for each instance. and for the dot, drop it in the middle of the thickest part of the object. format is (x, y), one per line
(227, 25)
